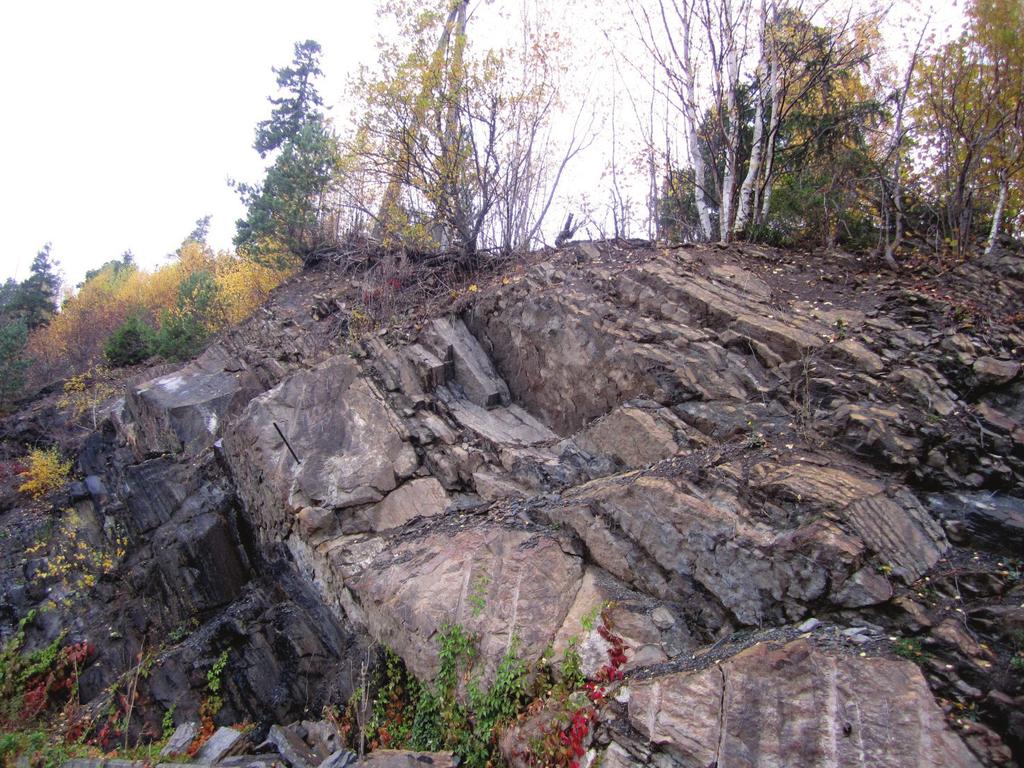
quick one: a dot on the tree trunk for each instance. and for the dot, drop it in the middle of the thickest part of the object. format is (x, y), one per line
(773, 135)
(756, 148)
(731, 149)
(997, 217)
(692, 119)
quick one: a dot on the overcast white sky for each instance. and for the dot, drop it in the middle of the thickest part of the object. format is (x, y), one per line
(122, 120)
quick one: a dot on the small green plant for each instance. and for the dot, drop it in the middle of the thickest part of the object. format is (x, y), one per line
(478, 596)
(182, 631)
(572, 667)
(39, 715)
(213, 702)
(38, 747)
(214, 679)
(755, 440)
(457, 713)
(167, 724)
(589, 619)
(908, 648)
(457, 652)
(1017, 663)
(390, 722)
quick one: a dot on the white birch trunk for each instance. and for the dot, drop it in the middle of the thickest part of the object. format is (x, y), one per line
(756, 150)
(773, 134)
(997, 217)
(691, 120)
(731, 149)
(753, 171)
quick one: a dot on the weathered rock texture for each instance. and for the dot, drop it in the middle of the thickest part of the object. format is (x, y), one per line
(793, 705)
(700, 441)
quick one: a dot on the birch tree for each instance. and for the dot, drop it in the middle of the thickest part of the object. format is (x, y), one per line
(461, 138)
(667, 32)
(798, 57)
(766, 64)
(971, 112)
(892, 166)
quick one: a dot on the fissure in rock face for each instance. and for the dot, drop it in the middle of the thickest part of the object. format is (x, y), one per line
(676, 437)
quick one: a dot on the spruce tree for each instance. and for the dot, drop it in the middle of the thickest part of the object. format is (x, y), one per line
(36, 300)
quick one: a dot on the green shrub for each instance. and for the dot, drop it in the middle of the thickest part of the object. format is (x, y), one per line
(407, 714)
(133, 342)
(185, 329)
(180, 336)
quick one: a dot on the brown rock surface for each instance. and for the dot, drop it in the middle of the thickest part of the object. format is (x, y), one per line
(796, 705)
(697, 442)
(506, 585)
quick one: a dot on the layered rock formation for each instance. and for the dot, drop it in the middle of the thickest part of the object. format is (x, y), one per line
(702, 442)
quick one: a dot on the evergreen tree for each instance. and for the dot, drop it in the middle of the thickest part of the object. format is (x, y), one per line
(201, 230)
(286, 211)
(299, 106)
(36, 301)
(13, 339)
(8, 295)
(132, 342)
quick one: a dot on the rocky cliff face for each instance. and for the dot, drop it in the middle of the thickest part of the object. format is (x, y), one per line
(766, 472)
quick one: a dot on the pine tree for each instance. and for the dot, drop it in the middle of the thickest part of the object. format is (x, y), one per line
(299, 106)
(13, 339)
(36, 300)
(200, 231)
(286, 211)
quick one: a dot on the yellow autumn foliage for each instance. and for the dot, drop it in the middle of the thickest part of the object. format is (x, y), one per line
(47, 472)
(244, 285)
(74, 340)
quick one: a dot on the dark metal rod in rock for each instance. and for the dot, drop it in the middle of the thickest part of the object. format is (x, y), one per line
(287, 444)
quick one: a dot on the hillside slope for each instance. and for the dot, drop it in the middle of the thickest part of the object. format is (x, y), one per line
(788, 490)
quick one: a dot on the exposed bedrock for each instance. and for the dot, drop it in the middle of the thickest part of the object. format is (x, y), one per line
(775, 704)
(666, 435)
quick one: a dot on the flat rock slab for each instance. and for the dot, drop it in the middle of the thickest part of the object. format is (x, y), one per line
(994, 520)
(505, 585)
(994, 372)
(683, 542)
(291, 747)
(398, 758)
(253, 761)
(422, 497)
(465, 361)
(632, 436)
(893, 524)
(660, 536)
(180, 740)
(339, 445)
(505, 425)
(183, 411)
(797, 705)
(222, 743)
